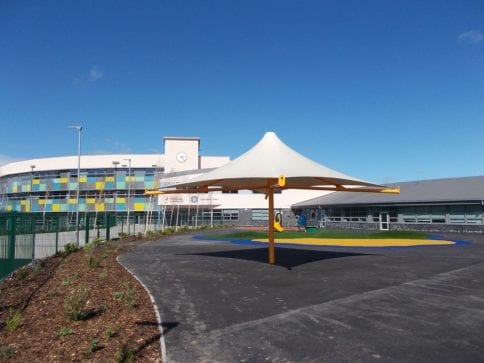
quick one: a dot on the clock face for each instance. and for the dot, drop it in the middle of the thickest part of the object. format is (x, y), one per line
(181, 157)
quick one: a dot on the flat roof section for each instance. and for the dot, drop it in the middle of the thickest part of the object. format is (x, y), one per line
(469, 189)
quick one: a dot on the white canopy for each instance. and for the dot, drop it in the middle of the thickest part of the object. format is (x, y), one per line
(269, 159)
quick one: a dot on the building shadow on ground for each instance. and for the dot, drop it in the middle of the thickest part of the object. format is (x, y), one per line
(285, 256)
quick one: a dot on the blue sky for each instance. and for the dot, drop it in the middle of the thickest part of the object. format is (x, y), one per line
(381, 90)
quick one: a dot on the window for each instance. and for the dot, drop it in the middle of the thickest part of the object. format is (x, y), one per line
(423, 214)
(260, 215)
(457, 214)
(334, 215)
(230, 214)
(358, 215)
(473, 214)
(438, 214)
(346, 214)
(393, 213)
(409, 214)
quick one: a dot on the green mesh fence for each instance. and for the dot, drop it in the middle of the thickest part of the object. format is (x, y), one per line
(25, 237)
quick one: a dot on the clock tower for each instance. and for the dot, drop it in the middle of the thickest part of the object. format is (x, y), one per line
(181, 153)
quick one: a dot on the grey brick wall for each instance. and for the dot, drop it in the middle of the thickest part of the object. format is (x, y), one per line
(465, 228)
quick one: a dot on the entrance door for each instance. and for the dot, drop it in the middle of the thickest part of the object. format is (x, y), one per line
(383, 221)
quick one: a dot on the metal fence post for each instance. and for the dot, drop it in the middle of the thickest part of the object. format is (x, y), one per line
(32, 230)
(57, 235)
(108, 225)
(11, 230)
(86, 226)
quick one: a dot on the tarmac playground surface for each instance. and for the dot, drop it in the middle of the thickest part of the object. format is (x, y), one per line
(222, 302)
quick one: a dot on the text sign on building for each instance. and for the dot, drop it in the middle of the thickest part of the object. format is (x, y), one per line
(186, 199)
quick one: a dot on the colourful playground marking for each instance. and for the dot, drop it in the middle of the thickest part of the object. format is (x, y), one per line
(363, 242)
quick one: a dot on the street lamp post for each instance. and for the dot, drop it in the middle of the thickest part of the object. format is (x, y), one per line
(129, 192)
(115, 192)
(32, 167)
(79, 129)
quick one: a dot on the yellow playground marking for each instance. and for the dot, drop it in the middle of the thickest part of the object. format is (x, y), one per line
(360, 242)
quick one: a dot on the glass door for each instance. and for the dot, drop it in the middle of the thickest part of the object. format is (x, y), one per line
(384, 221)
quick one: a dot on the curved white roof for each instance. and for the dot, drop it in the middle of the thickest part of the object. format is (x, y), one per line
(87, 162)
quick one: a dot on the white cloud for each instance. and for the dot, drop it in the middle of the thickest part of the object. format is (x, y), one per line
(95, 74)
(471, 37)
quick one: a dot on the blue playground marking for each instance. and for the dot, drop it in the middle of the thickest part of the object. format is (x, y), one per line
(248, 242)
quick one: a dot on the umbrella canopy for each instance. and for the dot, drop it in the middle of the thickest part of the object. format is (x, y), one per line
(269, 159)
(271, 166)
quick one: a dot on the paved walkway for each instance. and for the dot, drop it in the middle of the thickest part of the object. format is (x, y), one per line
(221, 302)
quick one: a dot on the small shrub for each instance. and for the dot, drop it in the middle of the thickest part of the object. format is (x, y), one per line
(65, 331)
(169, 230)
(93, 261)
(105, 254)
(66, 282)
(75, 304)
(51, 293)
(93, 346)
(6, 352)
(122, 234)
(22, 272)
(69, 280)
(150, 234)
(126, 353)
(104, 273)
(128, 296)
(109, 245)
(70, 247)
(140, 235)
(96, 242)
(13, 319)
(38, 265)
(110, 332)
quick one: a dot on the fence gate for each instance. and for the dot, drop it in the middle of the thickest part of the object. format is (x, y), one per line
(17, 236)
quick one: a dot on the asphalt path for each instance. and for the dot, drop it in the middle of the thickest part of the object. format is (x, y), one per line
(222, 302)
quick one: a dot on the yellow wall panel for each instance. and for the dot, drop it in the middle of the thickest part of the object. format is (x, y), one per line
(139, 207)
(120, 200)
(55, 207)
(100, 185)
(83, 179)
(109, 178)
(72, 200)
(64, 180)
(91, 200)
(100, 207)
(36, 181)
